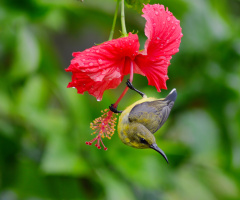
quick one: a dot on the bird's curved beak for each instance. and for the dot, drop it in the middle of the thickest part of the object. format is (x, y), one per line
(156, 148)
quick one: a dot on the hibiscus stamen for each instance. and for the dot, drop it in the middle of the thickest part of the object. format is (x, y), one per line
(104, 127)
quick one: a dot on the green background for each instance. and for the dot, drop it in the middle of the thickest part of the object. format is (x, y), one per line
(44, 125)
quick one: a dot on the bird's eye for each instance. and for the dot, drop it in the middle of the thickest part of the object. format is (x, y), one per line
(142, 140)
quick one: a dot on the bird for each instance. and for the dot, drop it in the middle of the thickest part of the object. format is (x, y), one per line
(139, 121)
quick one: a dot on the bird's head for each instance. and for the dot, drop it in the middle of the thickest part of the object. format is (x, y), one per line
(140, 137)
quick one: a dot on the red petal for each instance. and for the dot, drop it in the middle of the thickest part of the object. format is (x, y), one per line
(83, 83)
(155, 70)
(164, 36)
(102, 67)
(163, 31)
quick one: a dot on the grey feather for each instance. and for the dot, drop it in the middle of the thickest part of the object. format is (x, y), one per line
(153, 114)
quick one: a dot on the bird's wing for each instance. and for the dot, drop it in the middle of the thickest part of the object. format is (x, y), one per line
(152, 114)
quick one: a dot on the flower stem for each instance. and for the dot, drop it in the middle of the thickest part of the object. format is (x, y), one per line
(124, 30)
(126, 89)
(114, 21)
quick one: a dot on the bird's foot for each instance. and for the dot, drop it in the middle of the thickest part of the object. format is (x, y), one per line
(113, 109)
(130, 85)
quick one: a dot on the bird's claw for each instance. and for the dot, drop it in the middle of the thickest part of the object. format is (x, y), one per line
(130, 85)
(114, 109)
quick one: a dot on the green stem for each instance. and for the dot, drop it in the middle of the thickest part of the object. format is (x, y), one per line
(114, 21)
(124, 30)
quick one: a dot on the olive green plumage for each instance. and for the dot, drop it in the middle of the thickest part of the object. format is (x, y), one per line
(141, 120)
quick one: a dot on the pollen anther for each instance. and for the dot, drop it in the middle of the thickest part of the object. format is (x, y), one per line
(104, 126)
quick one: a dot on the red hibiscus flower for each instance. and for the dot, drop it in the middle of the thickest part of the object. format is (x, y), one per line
(103, 66)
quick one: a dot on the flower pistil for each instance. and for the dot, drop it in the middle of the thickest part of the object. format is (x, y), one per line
(104, 127)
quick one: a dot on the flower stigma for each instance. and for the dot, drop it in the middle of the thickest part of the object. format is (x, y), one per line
(104, 127)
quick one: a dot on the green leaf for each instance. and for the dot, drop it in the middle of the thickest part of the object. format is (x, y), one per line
(27, 54)
(29, 180)
(27, 101)
(137, 4)
(114, 187)
(188, 186)
(220, 183)
(61, 157)
(194, 129)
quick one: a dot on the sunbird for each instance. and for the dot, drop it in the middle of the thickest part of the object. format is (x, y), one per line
(139, 121)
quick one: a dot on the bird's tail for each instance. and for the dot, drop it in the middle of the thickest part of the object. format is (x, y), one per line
(172, 95)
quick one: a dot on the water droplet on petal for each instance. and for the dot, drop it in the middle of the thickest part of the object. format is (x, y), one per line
(81, 64)
(90, 64)
(167, 41)
(87, 50)
(130, 44)
(158, 38)
(97, 51)
(156, 12)
(73, 87)
(100, 61)
(83, 59)
(173, 27)
(168, 19)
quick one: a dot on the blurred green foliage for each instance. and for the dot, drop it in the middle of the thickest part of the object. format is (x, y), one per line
(137, 4)
(44, 125)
